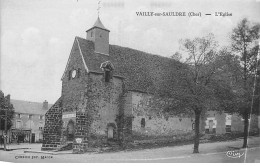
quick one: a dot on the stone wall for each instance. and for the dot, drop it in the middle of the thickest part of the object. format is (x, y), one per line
(237, 123)
(73, 88)
(150, 118)
(80, 143)
(103, 103)
(53, 126)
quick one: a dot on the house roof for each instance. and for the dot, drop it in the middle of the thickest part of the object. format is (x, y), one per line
(142, 71)
(28, 107)
(98, 24)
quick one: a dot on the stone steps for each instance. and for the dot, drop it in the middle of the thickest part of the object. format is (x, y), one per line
(67, 146)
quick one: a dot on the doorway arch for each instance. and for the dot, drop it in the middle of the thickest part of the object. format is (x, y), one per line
(70, 130)
(111, 131)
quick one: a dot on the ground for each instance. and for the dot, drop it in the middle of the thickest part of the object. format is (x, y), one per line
(209, 152)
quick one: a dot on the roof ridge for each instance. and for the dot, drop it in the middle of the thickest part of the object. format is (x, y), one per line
(160, 56)
(27, 101)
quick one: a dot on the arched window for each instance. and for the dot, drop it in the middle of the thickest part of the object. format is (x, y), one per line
(108, 68)
(143, 123)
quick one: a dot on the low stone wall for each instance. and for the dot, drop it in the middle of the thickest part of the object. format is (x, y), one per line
(52, 127)
(80, 144)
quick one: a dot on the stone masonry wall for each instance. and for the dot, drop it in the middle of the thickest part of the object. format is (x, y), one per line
(157, 122)
(103, 103)
(73, 90)
(52, 127)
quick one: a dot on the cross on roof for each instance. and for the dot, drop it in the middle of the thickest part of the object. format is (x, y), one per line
(98, 9)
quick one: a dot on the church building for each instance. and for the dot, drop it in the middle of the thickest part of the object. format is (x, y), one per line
(108, 97)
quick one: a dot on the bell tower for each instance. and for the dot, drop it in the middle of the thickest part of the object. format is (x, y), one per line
(100, 36)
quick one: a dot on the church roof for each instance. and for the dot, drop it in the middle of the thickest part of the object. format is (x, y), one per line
(28, 107)
(141, 71)
(98, 24)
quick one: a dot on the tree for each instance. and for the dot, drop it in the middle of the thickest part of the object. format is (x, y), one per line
(242, 38)
(203, 88)
(5, 105)
(177, 56)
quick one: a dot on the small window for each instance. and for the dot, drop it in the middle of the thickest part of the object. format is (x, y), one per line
(108, 68)
(30, 116)
(78, 73)
(214, 130)
(69, 75)
(41, 117)
(19, 116)
(207, 131)
(228, 128)
(193, 126)
(143, 123)
(40, 128)
(18, 124)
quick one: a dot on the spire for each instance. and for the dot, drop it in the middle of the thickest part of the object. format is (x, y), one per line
(98, 24)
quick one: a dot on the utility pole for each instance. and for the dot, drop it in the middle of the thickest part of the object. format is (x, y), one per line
(0, 128)
(5, 135)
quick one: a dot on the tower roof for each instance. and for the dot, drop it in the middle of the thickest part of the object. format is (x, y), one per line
(98, 24)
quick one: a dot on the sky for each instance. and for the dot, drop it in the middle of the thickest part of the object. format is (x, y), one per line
(37, 35)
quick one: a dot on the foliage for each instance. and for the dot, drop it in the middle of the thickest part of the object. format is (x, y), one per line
(5, 104)
(243, 37)
(243, 44)
(177, 56)
(201, 86)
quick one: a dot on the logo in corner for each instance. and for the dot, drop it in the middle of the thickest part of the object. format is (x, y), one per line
(234, 154)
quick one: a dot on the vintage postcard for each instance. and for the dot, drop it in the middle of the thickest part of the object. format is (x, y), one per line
(128, 81)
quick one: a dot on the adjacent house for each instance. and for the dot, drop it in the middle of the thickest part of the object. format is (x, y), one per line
(28, 121)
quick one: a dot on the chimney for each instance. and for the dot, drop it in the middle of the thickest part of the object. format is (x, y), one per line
(45, 105)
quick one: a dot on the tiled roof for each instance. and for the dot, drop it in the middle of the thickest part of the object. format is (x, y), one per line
(28, 107)
(142, 71)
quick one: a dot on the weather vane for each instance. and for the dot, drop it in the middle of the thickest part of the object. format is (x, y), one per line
(98, 9)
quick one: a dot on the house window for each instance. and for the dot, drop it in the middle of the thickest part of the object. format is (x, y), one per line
(30, 116)
(228, 128)
(40, 128)
(143, 123)
(18, 124)
(19, 116)
(41, 117)
(193, 126)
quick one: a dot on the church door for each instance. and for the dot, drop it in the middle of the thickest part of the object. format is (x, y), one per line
(71, 131)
